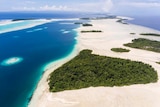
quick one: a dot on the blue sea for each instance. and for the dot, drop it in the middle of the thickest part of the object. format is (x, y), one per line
(147, 21)
(34, 48)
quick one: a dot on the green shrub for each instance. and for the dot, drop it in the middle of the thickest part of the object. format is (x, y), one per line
(145, 44)
(120, 50)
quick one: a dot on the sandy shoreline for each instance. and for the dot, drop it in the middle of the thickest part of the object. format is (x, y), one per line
(30, 24)
(114, 35)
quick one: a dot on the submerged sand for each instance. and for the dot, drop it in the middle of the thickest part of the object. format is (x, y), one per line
(114, 35)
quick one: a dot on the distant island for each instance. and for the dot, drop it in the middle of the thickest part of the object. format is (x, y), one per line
(90, 31)
(99, 18)
(149, 34)
(22, 19)
(122, 21)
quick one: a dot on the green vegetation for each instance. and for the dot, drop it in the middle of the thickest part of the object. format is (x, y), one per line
(132, 33)
(158, 62)
(86, 24)
(120, 50)
(145, 44)
(88, 31)
(150, 34)
(87, 70)
(83, 24)
(78, 23)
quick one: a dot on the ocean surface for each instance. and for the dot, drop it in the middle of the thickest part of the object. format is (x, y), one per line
(147, 21)
(33, 48)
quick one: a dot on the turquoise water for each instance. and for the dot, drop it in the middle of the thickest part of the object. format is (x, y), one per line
(35, 47)
(12, 25)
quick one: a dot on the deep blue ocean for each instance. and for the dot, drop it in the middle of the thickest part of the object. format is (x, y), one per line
(37, 48)
(147, 21)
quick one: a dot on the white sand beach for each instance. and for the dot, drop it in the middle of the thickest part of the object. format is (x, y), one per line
(24, 24)
(113, 35)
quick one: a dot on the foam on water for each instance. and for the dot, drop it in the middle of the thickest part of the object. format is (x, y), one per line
(38, 29)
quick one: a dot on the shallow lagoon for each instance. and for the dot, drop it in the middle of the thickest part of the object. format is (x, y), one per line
(11, 61)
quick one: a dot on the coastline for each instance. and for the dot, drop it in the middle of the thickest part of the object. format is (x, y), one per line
(42, 86)
(33, 23)
(114, 35)
(30, 23)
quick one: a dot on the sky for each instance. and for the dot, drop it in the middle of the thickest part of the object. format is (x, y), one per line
(97, 6)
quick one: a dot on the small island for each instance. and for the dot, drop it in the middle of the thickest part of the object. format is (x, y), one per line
(22, 19)
(145, 44)
(149, 34)
(122, 21)
(90, 31)
(90, 70)
(120, 50)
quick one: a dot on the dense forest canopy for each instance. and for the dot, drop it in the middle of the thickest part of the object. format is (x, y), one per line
(87, 70)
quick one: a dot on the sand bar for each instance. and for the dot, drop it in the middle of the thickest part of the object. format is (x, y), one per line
(29, 24)
(114, 35)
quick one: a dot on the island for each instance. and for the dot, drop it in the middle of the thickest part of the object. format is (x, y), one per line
(90, 31)
(81, 79)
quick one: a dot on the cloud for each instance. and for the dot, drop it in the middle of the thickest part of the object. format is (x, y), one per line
(142, 4)
(102, 6)
(108, 5)
(54, 8)
(23, 8)
(29, 2)
(42, 8)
